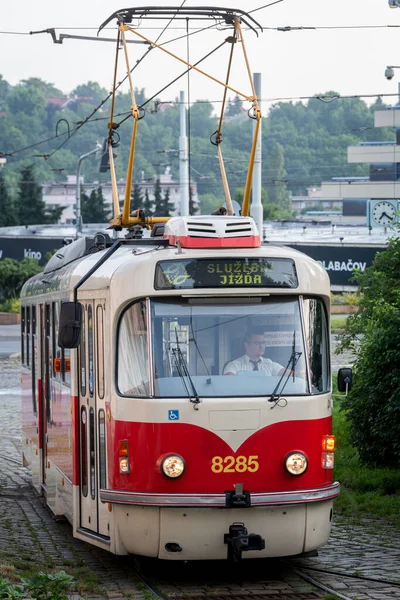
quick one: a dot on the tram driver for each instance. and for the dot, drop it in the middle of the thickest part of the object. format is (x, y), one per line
(253, 359)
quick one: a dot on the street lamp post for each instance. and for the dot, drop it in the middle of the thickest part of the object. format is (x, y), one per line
(78, 212)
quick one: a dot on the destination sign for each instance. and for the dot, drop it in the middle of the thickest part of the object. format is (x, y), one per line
(225, 272)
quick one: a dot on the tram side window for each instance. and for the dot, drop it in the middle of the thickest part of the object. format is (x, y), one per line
(23, 335)
(66, 366)
(102, 450)
(90, 350)
(28, 333)
(133, 363)
(82, 357)
(317, 341)
(34, 360)
(100, 351)
(55, 348)
(48, 364)
(84, 472)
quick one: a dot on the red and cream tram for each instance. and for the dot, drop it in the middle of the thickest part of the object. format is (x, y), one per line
(141, 424)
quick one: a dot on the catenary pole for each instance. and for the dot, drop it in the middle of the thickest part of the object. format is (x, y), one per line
(183, 159)
(78, 211)
(256, 204)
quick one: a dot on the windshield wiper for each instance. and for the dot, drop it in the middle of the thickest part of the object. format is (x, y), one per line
(292, 362)
(183, 372)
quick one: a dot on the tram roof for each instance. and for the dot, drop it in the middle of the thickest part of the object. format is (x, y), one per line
(131, 268)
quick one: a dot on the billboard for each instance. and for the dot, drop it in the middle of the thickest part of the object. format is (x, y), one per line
(341, 261)
(39, 248)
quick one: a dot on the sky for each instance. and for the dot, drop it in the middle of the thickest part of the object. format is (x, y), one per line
(350, 61)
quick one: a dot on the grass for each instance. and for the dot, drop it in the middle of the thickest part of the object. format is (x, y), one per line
(366, 492)
(338, 324)
(15, 569)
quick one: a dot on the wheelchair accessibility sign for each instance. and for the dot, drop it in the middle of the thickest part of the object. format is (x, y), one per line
(173, 415)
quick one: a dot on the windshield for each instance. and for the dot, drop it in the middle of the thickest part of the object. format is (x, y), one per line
(206, 347)
(232, 348)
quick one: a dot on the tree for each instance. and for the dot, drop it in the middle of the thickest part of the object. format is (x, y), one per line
(14, 273)
(92, 91)
(136, 197)
(7, 215)
(31, 206)
(270, 211)
(193, 206)
(158, 200)
(208, 203)
(4, 92)
(373, 403)
(28, 99)
(277, 192)
(94, 208)
(147, 204)
(53, 215)
(315, 137)
(167, 206)
(234, 107)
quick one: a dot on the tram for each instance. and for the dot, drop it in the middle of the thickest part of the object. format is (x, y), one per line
(176, 388)
(132, 427)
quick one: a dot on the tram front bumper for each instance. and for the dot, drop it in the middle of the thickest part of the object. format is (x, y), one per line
(200, 534)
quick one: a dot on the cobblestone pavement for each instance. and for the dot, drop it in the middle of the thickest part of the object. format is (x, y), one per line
(30, 536)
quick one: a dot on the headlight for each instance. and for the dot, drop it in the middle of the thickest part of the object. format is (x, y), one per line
(296, 463)
(173, 466)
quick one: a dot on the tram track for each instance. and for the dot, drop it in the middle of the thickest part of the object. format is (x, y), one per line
(257, 580)
(351, 576)
(367, 545)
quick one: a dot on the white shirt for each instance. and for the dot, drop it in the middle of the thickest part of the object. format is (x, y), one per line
(243, 363)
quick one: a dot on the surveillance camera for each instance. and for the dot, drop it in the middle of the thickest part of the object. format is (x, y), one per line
(393, 3)
(389, 73)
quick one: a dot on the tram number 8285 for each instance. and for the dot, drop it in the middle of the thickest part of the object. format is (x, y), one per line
(232, 464)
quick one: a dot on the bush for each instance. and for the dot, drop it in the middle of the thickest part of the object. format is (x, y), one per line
(11, 306)
(351, 299)
(14, 273)
(348, 299)
(337, 299)
(374, 402)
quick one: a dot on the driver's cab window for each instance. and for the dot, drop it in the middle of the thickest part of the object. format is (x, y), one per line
(227, 347)
(133, 363)
(317, 339)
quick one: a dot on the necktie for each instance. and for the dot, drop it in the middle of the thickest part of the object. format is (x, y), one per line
(255, 364)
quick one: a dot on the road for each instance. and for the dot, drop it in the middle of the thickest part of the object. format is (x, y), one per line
(361, 561)
(10, 340)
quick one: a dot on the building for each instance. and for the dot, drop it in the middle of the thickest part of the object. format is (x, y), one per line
(64, 193)
(315, 199)
(383, 182)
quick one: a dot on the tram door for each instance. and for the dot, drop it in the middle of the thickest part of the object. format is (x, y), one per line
(45, 373)
(94, 515)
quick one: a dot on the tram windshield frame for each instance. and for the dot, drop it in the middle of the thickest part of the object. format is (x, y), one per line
(177, 347)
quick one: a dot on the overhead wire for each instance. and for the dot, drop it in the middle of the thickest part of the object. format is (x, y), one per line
(138, 62)
(174, 102)
(276, 99)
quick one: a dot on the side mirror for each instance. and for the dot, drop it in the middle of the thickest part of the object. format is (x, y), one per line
(345, 379)
(70, 325)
